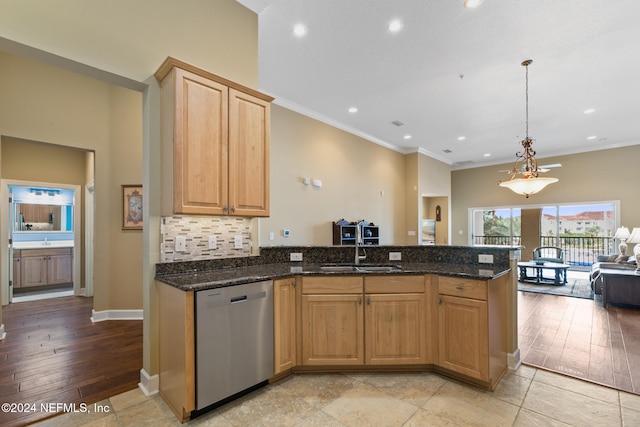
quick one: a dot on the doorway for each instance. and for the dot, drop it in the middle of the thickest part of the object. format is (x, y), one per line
(39, 165)
(44, 252)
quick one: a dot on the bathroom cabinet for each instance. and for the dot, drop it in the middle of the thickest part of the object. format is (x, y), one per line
(42, 267)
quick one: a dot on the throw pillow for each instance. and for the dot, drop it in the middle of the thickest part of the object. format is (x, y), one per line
(612, 258)
(621, 259)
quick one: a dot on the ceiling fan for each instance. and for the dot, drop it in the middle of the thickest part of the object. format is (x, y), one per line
(543, 168)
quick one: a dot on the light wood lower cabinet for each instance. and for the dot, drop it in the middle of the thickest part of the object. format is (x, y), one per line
(42, 267)
(472, 328)
(375, 320)
(176, 349)
(284, 324)
(332, 321)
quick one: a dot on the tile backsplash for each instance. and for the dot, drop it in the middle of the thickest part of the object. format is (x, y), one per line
(196, 231)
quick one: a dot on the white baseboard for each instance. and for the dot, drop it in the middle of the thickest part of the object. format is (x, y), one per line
(3, 334)
(149, 384)
(513, 360)
(100, 316)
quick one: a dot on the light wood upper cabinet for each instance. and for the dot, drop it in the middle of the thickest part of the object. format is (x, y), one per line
(249, 130)
(284, 324)
(215, 144)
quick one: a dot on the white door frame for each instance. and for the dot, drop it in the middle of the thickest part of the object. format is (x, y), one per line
(4, 233)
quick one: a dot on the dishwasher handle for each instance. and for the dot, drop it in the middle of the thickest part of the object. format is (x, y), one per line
(219, 302)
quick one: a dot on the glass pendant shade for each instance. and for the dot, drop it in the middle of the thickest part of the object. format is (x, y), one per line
(527, 186)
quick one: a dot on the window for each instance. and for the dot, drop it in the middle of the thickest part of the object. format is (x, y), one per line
(584, 231)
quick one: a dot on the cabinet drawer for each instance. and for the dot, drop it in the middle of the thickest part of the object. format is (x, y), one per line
(332, 285)
(45, 252)
(388, 284)
(461, 287)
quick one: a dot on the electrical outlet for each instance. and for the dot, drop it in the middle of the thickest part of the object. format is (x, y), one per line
(237, 241)
(180, 244)
(485, 259)
(395, 256)
(213, 242)
(295, 256)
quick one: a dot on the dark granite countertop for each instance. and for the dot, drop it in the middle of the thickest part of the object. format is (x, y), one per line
(231, 276)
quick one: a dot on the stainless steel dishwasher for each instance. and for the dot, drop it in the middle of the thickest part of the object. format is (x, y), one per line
(234, 341)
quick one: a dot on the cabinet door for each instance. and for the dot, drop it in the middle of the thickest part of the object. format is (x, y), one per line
(33, 271)
(249, 133)
(200, 165)
(59, 269)
(284, 317)
(333, 330)
(17, 280)
(395, 327)
(463, 336)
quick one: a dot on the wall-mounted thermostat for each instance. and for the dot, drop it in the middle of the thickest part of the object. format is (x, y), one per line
(286, 232)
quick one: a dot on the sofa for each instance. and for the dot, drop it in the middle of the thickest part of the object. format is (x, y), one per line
(615, 261)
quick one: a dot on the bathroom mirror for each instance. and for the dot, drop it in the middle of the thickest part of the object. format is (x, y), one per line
(42, 218)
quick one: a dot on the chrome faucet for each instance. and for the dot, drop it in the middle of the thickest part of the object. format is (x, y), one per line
(358, 257)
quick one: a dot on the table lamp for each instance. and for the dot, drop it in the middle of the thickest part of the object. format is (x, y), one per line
(635, 238)
(622, 234)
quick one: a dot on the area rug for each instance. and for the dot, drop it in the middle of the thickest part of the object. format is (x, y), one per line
(578, 288)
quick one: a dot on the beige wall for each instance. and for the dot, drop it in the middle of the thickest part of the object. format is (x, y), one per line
(51, 105)
(360, 180)
(605, 175)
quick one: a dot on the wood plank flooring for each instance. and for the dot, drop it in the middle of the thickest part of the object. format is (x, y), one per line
(580, 338)
(53, 353)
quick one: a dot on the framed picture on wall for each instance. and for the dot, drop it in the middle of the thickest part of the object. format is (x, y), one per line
(132, 207)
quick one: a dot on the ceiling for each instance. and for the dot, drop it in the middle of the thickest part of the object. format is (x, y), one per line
(454, 72)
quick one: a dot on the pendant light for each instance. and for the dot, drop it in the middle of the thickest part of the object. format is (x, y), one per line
(524, 175)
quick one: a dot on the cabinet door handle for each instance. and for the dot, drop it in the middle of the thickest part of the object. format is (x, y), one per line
(233, 209)
(225, 208)
(293, 283)
(460, 288)
(368, 300)
(359, 300)
(439, 301)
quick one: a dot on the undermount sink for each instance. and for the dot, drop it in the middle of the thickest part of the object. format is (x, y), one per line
(338, 268)
(378, 268)
(363, 268)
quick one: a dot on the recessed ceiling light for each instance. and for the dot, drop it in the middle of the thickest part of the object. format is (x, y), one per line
(299, 30)
(462, 138)
(395, 25)
(591, 137)
(589, 111)
(472, 3)
(487, 154)
(353, 110)
(407, 137)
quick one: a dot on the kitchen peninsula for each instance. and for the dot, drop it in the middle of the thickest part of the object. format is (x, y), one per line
(434, 309)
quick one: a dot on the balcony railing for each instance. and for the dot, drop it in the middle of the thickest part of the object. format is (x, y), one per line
(579, 251)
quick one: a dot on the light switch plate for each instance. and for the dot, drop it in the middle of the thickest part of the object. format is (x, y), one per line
(237, 240)
(180, 244)
(295, 256)
(213, 242)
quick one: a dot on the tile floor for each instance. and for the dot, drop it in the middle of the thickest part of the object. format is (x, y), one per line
(528, 397)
